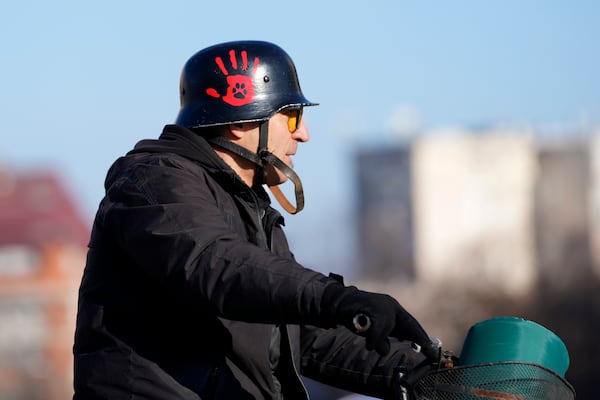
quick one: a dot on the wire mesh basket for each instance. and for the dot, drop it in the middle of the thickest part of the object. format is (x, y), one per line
(498, 381)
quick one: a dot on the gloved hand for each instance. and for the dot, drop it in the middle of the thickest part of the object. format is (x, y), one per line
(341, 304)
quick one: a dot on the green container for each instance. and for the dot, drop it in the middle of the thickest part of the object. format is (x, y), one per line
(514, 339)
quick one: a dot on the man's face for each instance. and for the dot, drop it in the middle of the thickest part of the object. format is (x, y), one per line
(283, 143)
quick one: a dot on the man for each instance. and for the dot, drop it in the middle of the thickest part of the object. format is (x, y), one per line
(190, 290)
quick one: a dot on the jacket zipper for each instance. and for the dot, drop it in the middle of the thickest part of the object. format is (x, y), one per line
(260, 213)
(298, 378)
(287, 337)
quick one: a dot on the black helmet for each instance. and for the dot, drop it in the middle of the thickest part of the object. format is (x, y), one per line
(241, 81)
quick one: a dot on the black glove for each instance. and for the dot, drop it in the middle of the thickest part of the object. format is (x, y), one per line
(346, 305)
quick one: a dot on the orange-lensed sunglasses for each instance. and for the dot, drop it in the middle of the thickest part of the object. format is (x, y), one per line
(294, 118)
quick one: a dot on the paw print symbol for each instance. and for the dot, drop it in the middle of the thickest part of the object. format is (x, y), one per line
(240, 89)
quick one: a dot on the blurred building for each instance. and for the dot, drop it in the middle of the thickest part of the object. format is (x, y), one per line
(42, 250)
(594, 198)
(474, 209)
(562, 214)
(385, 214)
(498, 210)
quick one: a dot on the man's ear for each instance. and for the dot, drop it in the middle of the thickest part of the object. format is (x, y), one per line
(236, 130)
(240, 129)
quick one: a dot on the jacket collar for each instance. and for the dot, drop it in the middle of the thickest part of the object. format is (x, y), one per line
(184, 142)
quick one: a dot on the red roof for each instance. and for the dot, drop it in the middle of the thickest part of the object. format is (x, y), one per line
(36, 209)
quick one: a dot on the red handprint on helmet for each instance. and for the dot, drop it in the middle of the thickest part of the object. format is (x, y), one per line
(240, 89)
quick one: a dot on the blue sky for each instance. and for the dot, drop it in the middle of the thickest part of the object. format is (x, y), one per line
(83, 81)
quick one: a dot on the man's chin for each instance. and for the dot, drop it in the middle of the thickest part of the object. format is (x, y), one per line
(274, 181)
(274, 177)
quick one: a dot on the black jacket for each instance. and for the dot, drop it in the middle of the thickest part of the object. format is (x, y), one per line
(190, 290)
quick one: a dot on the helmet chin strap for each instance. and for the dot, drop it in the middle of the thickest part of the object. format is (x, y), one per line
(277, 193)
(263, 157)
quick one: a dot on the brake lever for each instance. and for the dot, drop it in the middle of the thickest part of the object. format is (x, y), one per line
(407, 379)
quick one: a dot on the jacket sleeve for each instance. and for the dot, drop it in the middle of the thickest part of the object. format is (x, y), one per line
(171, 223)
(338, 358)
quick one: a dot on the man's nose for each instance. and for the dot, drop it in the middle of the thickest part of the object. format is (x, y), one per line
(301, 134)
